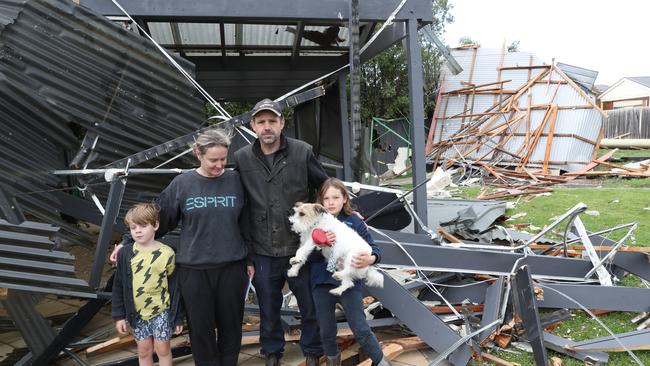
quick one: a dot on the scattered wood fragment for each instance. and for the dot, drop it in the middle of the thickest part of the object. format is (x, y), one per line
(512, 193)
(494, 360)
(446, 310)
(392, 348)
(447, 235)
(111, 345)
(502, 340)
(601, 312)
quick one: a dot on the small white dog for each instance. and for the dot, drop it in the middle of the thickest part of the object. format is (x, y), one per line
(307, 217)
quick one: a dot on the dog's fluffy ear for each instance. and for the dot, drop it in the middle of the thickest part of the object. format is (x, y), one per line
(320, 209)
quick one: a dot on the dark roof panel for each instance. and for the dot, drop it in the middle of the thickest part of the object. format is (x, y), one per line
(66, 73)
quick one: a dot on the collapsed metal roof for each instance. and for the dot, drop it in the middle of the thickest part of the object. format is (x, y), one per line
(68, 73)
(498, 76)
(31, 261)
(584, 77)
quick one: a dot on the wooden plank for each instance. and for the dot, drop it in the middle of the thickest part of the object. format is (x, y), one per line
(451, 238)
(592, 165)
(434, 122)
(512, 193)
(598, 140)
(561, 107)
(395, 347)
(446, 310)
(536, 136)
(502, 340)
(408, 343)
(548, 81)
(549, 139)
(612, 165)
(525, 67)
(494, 360)
(481, 92)
(570, 135)
(495, 174)
(473, 86)
(3, 293)
(111, 345)
(580, 91)
(471, 115)
(608, 172)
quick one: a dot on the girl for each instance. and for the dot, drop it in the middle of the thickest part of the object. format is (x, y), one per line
(334, 197)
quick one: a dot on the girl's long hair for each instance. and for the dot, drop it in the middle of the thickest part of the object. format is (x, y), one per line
(336, 183)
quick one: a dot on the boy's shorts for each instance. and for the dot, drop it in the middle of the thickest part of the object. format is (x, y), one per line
(159, 327)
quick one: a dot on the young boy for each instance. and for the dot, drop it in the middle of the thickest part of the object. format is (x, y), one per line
(144, 293)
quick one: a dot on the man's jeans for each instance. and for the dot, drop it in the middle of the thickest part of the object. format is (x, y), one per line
(351, 300)
(270, 277)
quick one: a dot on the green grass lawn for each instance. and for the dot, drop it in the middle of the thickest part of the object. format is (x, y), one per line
(618, 201)
(633, 153)
(615, 205)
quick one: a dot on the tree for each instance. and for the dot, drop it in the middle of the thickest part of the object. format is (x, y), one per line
(514, 46)
(384, 79)
(466, 41)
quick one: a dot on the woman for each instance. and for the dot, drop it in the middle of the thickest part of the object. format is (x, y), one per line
(211, 255)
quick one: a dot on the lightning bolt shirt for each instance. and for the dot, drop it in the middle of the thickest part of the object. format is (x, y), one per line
(150, 270)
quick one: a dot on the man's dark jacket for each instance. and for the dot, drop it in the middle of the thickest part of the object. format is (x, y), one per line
(274, 189)
(123, 306)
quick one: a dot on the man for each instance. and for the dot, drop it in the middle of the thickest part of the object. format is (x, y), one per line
(277, 172)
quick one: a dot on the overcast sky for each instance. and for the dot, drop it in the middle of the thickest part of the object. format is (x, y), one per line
(611, 37)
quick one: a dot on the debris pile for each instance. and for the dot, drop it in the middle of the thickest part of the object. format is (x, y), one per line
(521, 125)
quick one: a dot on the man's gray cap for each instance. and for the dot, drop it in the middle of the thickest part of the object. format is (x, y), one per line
(267, 105)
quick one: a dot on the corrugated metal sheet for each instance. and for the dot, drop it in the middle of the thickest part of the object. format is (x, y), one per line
(30, 261)
(266, 35)
(471, 215)
(203, 33)
(65, 72)
(583, 77)
(35, 330)
(250, 38)
(567, 153)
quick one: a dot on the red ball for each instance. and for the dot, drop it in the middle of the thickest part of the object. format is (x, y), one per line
(319, 236)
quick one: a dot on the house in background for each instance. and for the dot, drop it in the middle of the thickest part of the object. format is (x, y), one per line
(627, 92)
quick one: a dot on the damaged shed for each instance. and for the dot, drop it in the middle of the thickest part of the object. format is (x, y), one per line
(510, 109)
